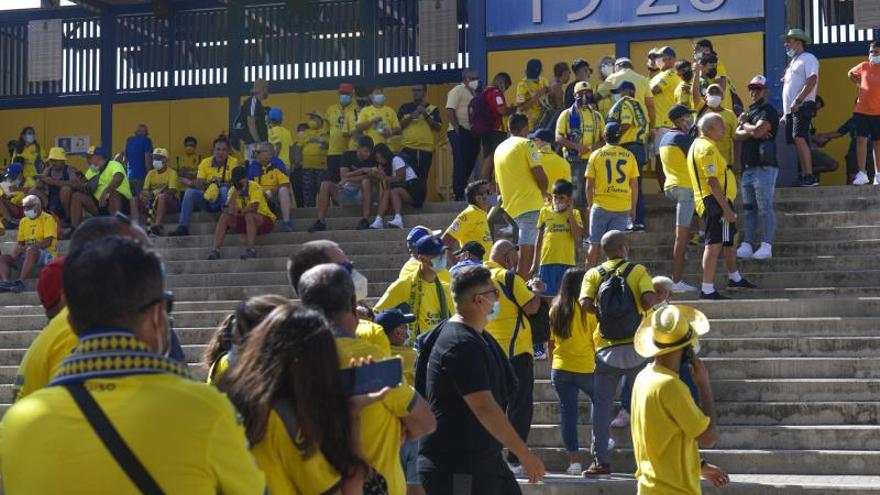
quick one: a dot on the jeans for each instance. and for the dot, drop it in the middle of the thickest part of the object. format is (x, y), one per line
(758, 187)
(567, 385)
(641, 158)
(519, 410)
(465, 149)
(194, 200)
(605, 382)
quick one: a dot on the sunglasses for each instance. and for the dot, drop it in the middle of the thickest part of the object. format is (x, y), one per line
(166, 296)
(491, 291)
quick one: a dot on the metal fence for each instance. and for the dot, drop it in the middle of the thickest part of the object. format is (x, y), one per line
(320, 41)
(833, 22)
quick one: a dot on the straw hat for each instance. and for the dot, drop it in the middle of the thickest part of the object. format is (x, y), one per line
(668, 329)
(57, 154)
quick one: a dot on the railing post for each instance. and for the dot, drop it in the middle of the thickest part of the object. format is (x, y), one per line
(774, 53)
(369, 21)
(476, 38)
(107, 77)
(235, 60)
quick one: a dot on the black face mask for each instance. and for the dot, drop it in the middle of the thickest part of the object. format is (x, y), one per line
(712, 73)
(688, 76)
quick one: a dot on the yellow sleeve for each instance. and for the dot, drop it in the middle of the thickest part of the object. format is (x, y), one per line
(255, 194)
(562, 123)
(173, 179)
(458, 226)
(364, 116)
(375, 334)
(400, 400)
(542, 217)
(590, 285)
(281, 178)
(148, 180)
(396, 294)
(711, 162)
(591, 168)
(229, 457)
(682, 409)
(392, 117)
(203, 172)
(633, 166)
(532, 154)
(643, 280)
(521, 291)
(21, 237)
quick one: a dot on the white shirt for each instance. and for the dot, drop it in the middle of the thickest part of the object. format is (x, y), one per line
(801, 68)
(459, 99)
(397, 163)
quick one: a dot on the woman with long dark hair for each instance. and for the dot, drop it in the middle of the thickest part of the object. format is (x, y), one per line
(302, 427)
(28, 148)
(230, 336)
(402, 186)
(574, 359)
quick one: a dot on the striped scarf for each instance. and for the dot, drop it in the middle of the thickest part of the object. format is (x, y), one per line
(113, 352)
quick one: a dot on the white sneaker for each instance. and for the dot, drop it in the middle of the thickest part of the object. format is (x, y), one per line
(861, 179)
(745, 251)
(764, 252)
(377, 224)
(621, 421)
(682, 286)
(396, 222)
(877, 179)
(574, 469)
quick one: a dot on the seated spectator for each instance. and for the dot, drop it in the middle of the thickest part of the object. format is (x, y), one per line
(37, 236)
(472, 224)
(13, 189)
(229, 338)
(54, 186)
(247, 212)
(211, 185)
(271, 174)
(154, 403)
(49, 287)
(822, 162)
(188, 164)
(850, 129)
(354, 188)
(159, 194)
(402, 186)
(470, 254)
(106, 191)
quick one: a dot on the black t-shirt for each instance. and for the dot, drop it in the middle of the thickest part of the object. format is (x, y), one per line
(751, 152)
(463, 361)
(253, 107)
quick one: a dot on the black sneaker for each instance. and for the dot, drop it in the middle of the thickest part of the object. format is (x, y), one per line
(638, 227)
(248, 254)
(742, 284)
(364, 224)
(809, 181)
(597, 470)
(715, 296)
(214, 254)
(180, 231)
(318, 226)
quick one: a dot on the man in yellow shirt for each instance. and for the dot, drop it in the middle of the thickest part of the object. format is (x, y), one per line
(247, 212)
(532, 95)
(713, 105)
(422, 292)
(159, 194)
(634, 136)
(37, 236)
(314, 144)
(271, 174)
(513, 332)
(341, 118)
(211, 186)
(709, 70)
(674, 150)
(579, 131)
(623, 71)
(612, 189)
(188, 164)
(714, 191)
(378, 120)
(472, 224)
(522, 183)
(683, 94)
(420, 122)
(663, 87)
(618, 292)
(180, 435)
(106, 191)
(667, 425)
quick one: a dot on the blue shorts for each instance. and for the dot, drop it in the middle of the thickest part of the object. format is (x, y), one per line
(602, 221)
(528, 227)
(551, 275)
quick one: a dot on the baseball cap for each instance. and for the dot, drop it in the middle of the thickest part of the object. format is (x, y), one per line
(346, 88)
(393, 318)
(612, 130)
(544, 134)
(430, 246)
(666, 51)
(714, 86)
(582, 86)
(623, 60)
(758, 81)
(160, 152)
(275, 114)
(654, 52)
(623, 86)
(678, 111)
(14, 171)
(471, 247)
(418, 232)
(49, 287)
(97, 150)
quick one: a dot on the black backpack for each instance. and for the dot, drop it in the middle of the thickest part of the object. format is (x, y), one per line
(616, 307)
(539, 322)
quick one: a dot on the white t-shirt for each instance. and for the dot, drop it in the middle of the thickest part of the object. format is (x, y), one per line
(398, 163)
(801, 68)
(458, 99)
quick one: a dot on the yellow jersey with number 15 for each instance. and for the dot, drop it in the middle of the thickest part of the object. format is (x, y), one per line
(611, 169)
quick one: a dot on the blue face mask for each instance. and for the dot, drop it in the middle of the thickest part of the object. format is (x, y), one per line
(791, 53)
(379, 99)
(438, 264)
(496, 308)
(344, 100)
(875, 59)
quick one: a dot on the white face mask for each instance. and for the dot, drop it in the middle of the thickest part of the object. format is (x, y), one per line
(29, 138)
(360, 285)
(158, 164)
(32, 213)
(474, 84)
(713, 101)
(496, 308)
(875, 59)
(559, 207)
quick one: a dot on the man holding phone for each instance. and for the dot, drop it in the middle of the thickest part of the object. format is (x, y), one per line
(466, 378)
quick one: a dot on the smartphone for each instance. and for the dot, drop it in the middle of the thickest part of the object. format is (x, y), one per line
(372, 377)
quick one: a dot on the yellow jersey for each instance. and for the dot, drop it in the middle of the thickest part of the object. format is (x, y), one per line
(111, 169)
(186, 162)
(674, 148)
(558, 246)
(281, 139)
(683, 95)
(53, 344)
(472, 224)
(210, 172)
(431, 302)
(642, 84)
(419, 135)
(577, 353)
(271, 177)
(639, 282)
(408, 355)
(389, 121)
(158, 181)
(514, 160)
(668, 81)
(341, 120)
(374, 333)
(33, 231)
(514, 339)
(704, 161)
(631, 113)
(314, 152)
(528, 88)
(588, 132)
(612, 168)
(725, 146)
(665, 423)
(413, 265)
(253, 194)
(555, 167)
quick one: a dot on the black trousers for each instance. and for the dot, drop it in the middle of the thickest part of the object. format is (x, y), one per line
(465, 149)
(420, 161)
(448, 483)
(520, 408)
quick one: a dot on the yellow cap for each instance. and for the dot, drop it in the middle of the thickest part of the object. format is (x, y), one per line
(668, 329)
(160, 152)
(582, 86)
(57, 154)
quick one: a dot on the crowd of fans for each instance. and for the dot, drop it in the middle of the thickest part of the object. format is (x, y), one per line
(104, 399)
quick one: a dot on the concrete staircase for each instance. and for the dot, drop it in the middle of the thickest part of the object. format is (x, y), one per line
(795, 364)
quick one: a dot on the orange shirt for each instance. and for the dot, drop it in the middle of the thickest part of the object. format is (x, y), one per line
(869, 88)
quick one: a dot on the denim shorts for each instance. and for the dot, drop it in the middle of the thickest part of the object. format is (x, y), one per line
(684, 205)
(409, 458)
(350, 196)
(602, 221)
(43, 259)
(528, 228)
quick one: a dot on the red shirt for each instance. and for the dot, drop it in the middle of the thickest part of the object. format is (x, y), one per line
(869, 88)
(495, 98)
